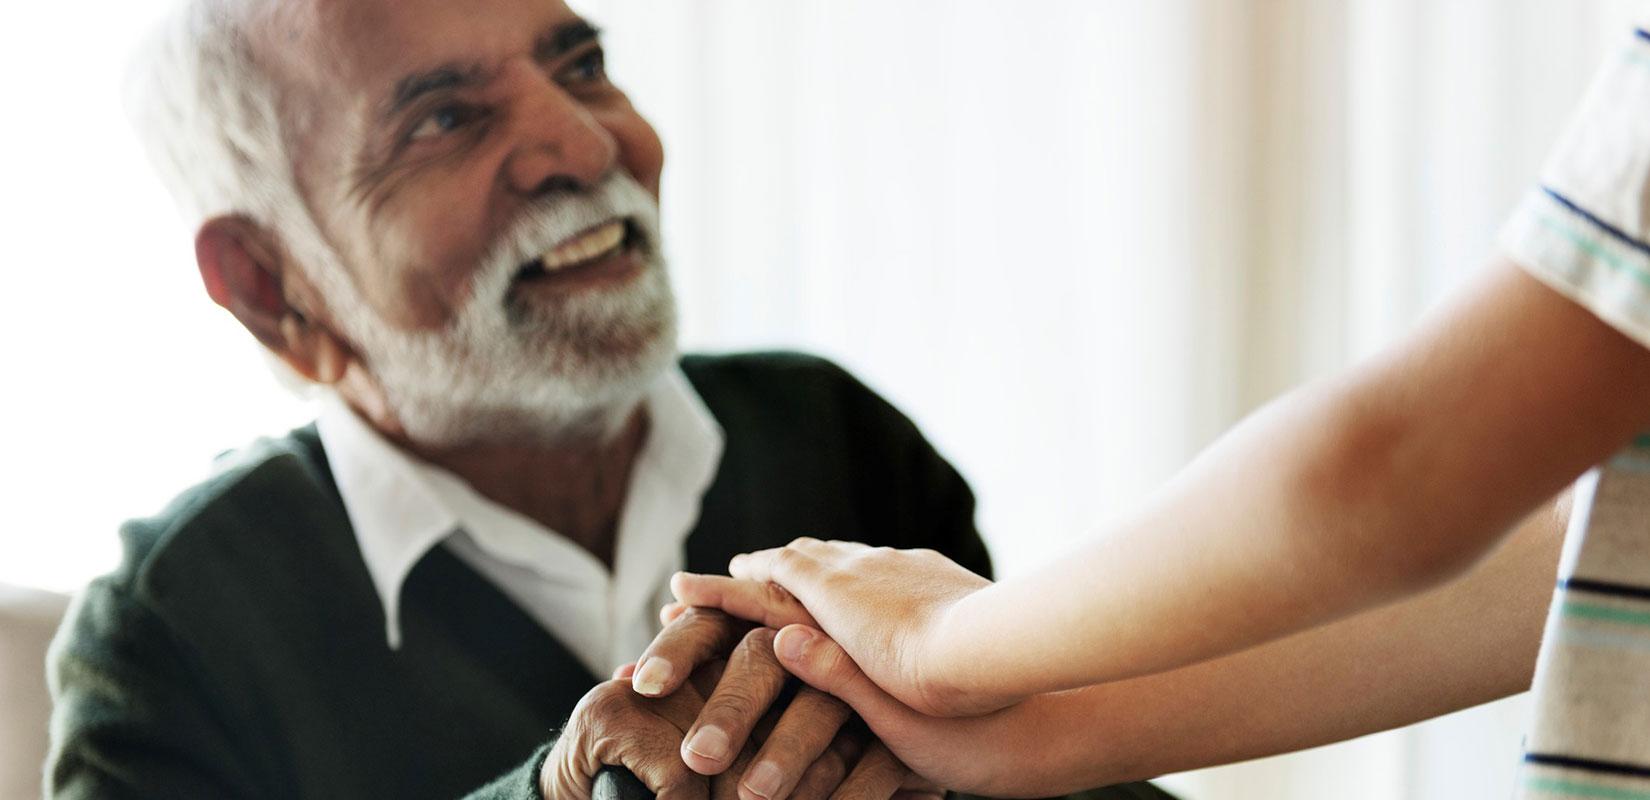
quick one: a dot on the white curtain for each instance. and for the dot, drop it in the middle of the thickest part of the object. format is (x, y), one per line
(1073, 239)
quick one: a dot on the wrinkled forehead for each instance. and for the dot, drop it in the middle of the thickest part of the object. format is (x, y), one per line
(351, 55)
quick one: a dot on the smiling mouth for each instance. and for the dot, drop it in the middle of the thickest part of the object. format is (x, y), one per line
(588, 249)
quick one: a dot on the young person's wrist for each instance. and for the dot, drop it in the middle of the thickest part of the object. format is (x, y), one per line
(953, 681)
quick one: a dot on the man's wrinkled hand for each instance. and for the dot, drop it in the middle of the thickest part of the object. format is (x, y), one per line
(612, 725)
(807, 750)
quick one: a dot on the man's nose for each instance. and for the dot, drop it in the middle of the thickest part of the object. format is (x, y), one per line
(559, 142)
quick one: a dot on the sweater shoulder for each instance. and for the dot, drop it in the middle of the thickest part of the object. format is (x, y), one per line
(811, 450)
(227, 526)
(785, 386)
(774, 367)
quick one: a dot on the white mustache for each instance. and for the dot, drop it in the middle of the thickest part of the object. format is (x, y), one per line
(544, 226)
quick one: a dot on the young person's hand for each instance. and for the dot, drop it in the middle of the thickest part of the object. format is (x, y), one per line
(892, 611)
(992, 754)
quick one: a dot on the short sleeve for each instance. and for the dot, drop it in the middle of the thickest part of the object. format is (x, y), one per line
(1585, 230)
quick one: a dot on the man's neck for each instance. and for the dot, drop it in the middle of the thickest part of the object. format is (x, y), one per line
(575, 485)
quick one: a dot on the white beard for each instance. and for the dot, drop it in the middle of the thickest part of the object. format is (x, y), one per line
(503, 372)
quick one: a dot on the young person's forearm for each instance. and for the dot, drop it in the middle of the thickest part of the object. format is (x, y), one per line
(1176, 582)
(1333, 500)
(1467, 642)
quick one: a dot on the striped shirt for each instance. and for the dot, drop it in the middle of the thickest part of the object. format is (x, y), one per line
(1585, 232)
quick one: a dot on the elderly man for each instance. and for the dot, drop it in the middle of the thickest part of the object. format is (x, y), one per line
(446, 215)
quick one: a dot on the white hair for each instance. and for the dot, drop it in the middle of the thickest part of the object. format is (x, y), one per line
(207, 115)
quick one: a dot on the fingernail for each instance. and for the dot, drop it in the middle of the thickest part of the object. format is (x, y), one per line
(791, 643)
(650, 677)
(709, 743)
(764, 780)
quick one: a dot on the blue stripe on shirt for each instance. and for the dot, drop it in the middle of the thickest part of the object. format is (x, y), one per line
(1614, 231)
(1588, 764)
(1605, 588)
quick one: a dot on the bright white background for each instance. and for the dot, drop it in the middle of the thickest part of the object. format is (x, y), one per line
(1074, 239)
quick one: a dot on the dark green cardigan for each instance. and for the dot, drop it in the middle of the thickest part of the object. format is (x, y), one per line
(239, 652)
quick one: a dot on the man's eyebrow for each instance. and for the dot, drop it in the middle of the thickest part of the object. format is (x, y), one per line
(565, 37)
(556, 42)
(418, 84)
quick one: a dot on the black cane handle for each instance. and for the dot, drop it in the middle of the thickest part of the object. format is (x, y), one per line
(617, 783)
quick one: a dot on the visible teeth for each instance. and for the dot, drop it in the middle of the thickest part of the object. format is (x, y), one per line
(585, 247)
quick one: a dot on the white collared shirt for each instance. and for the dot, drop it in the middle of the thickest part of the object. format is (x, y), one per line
(401, 507)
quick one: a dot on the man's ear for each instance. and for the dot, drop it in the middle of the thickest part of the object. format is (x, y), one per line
(245, 271)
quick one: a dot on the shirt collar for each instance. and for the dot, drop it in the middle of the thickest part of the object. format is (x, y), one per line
(401, 506)
(395, 515)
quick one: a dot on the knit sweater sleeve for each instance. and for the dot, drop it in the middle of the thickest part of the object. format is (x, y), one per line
(521, 783)
(134, 717)
(127, 721)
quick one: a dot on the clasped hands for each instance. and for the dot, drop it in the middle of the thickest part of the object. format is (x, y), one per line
(731, 723)
(887, 608)
(866, 629)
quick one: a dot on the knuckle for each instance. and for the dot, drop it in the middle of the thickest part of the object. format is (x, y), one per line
(700, 616)
(838, 580)
(786, 746)
(775, 595)
(689, 633)
(788, 558)
(676, 780)
(604, 702)
(734, 705)
(756, 648)
(839, 665)
(828, 670)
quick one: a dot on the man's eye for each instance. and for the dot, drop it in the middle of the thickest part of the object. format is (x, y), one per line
(445, 119)
(591, 67)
